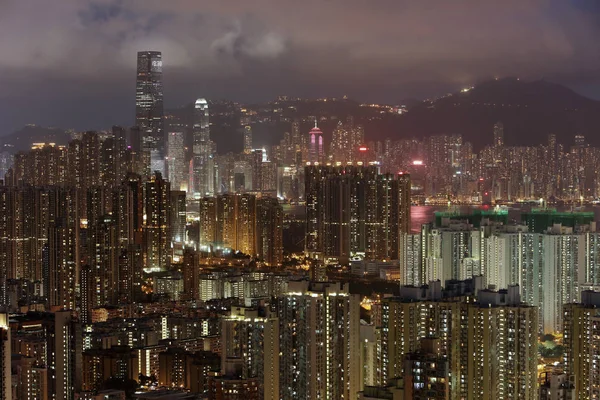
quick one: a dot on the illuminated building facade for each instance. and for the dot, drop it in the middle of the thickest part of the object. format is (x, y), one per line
(149, 106)
(320, 335)
(176, 164)
(251, 336)
(5, 359)
(203, 150)
(269, 230)
(228, 221)
(247, 139)
(582, 341)
(316, 151)
(354, 209)
(156, 225)
(490, 344)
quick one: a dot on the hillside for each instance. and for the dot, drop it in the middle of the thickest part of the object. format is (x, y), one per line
(24, 137)
(529, 110)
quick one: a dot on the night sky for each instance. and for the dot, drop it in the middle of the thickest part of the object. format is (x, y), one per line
(71, 63)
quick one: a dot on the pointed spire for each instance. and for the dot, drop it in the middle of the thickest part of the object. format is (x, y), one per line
(316, 122)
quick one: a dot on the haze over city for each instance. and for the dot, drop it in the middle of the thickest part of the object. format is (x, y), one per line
(70, 63)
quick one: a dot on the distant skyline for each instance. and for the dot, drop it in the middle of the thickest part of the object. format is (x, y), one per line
(72, 63)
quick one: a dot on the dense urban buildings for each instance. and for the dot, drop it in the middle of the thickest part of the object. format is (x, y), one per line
(141, 263)
(355, 210)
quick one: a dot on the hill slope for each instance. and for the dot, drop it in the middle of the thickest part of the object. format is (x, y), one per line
(24, 137)
(529, 110)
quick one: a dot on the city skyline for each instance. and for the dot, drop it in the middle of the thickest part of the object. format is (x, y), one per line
(305, 247)
(235, 52)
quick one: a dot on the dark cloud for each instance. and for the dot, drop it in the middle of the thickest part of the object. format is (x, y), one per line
(72, 62)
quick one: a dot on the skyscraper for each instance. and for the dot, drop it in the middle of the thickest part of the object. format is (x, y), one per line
(320, 341)
(269, 230)
(582, 341)
(247, 139)
(203, 151)
(229, 221)
(157, 225)
(178, 216)
(176, 165)
(149, 107)
(316, 152)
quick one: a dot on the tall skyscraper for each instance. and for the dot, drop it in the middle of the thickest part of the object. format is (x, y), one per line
(203, 149)
(176, 165)
(65, 348)
(156, 226)
(269, 230)
(316, 151)
(582, 343)
(104, 261)
(149, 107)
(320, 341)
(247, 139)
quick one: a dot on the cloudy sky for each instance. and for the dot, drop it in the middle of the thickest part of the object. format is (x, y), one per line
(71, 63)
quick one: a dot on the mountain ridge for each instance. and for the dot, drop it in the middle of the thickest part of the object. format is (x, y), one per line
(529, 110)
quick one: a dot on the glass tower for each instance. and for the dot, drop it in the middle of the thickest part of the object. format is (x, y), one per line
(149, 108)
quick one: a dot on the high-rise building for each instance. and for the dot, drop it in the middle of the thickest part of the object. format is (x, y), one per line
(156, 224)
(354, 209)
(149, 106)
(5, 359)
(103, 258)
(251, 336)
(100, 365)
(178, 216)
(269, 231)
(257, 158)
(490, 344)
(247, 139)
(229, 221)
(65, 349)
(346, 141)
(581, 341)
(552, 268)
(203, 149)
(62, 264)
(316, 149)
(176, 164)
(501, 347)
(320, 341)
